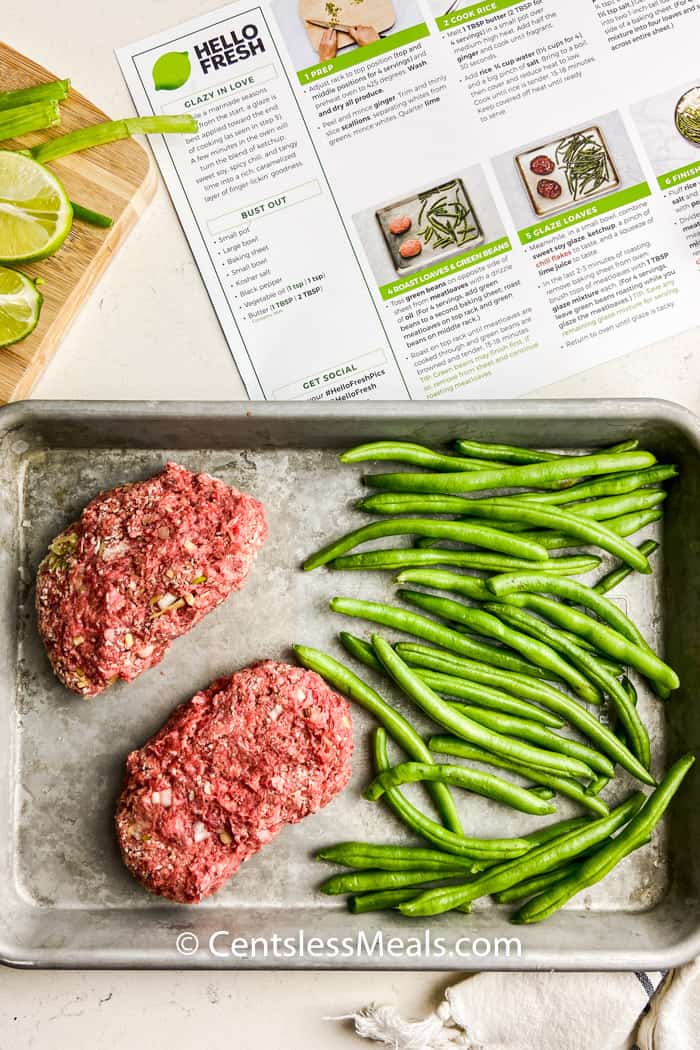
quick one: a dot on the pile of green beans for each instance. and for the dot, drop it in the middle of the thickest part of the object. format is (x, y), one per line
(509, 636)
(585, 163)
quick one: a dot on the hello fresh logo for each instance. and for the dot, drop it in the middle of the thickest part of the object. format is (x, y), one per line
(173, 69)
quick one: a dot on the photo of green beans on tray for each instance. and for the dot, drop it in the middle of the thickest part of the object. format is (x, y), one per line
(513, 660)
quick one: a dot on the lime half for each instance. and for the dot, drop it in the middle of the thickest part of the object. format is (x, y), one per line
(20, 306)
(35, 212)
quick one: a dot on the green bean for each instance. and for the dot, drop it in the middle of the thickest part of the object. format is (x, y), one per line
(459, 776)
(410, 503)
(527, 688)
(516, 454)
(360, 650)
(449, 841)
(637, 832)
(445, 715)
(505, 453)
(363, 855)
(399, 557)
(525, 729)
(529, 887)
(614, 579)
(597, 785)
(540, 654)
(606, 639)
(622, 446)
(538, 861)
(379, 901)
(401, 730)
(460, 583)
(483, 696)
(554, 518)
(625, 525)
(477, 535)
(360, 881)
(610, 485)
(422, 627)
(638, 736)
(566, 786)
(407, 452)
(534, 475)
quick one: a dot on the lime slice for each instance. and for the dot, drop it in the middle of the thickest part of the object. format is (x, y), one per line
(20, 306)
(35, 213)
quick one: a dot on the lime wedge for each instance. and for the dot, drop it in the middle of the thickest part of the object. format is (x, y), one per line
(35, 212)
(20, 306)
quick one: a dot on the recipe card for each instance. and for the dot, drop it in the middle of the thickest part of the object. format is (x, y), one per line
(395, 199)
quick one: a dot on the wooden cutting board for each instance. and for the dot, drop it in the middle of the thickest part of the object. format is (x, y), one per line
(377, 13)
(118, 180)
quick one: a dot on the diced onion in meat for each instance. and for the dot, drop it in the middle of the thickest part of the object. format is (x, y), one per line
(166, 600)
(200, 832)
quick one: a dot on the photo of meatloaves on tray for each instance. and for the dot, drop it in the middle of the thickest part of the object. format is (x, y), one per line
(574, 168)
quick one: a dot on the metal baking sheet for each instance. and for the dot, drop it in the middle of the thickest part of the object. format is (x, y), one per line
(65, 898)
(412, 207)
(543, 206)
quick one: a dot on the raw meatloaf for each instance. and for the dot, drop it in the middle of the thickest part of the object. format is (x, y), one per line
(253, 752)
(142, 565)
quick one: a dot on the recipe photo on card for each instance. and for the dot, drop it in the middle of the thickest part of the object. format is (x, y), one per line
(394, 199)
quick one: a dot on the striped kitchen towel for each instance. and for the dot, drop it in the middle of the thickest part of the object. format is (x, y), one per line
(550, 1011)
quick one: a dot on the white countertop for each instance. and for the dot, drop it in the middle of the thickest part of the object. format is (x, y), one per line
(148, 331)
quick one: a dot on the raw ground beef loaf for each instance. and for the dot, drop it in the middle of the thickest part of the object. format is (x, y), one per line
(549, 188)
(142, 565)
(542, 165)
(253, 752)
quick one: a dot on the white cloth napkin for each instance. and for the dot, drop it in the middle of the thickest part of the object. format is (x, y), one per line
(551, 1011)
(673, 1020)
